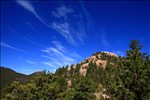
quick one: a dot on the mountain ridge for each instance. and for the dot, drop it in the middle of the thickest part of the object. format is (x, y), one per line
(8, 76)
(98, 58)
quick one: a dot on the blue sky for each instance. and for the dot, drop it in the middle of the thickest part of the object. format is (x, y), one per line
(38, 35)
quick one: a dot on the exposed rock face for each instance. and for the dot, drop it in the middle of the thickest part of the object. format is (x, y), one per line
(97, 59)
(110, 53)
(100, 59)
(69, 83)
(91, 58)
(101, 95)
(101, 63)
(83, 69)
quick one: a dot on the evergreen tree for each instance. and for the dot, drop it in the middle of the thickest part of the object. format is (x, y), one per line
(84, 89)
(132, 81)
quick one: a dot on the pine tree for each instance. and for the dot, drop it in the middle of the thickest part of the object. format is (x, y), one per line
(133, 74)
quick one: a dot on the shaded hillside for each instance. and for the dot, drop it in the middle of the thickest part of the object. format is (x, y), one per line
(9, 75)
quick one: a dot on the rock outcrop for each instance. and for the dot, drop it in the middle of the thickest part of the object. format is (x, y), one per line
(96, 58)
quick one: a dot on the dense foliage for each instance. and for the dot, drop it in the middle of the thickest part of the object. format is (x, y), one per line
(124, 78)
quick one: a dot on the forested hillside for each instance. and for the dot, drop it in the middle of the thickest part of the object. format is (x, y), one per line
(7, 76)
(102, 76)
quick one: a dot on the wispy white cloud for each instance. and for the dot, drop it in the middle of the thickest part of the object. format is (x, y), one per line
(28, 6)
(49, 64)
(55, 51)
(74, 34)
(89, 20)
(62, 11)
(57, 55)
(58, 45)
(64, 30)
(11, 47)
(31, 62)
(54, 62)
